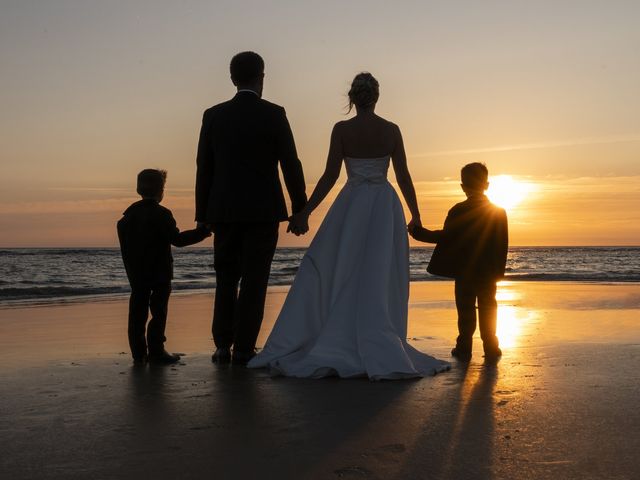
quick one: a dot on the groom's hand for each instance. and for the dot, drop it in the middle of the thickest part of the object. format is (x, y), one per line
(293, 228)
(298, 224)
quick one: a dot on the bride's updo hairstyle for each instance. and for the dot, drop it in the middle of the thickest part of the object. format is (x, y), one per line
(364, 91)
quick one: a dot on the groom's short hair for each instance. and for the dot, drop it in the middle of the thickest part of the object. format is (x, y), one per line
(474, 175)
(246, 67)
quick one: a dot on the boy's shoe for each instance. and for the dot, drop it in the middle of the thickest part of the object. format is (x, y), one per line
(493, 354)
(242, 358)
(164, 358)
(140, 360)
(221, 356)
(462, 355)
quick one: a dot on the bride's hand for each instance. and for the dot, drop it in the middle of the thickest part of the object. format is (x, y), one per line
(413, 224)
(298, 224)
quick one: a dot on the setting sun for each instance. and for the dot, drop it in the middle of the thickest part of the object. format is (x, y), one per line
(507, 192)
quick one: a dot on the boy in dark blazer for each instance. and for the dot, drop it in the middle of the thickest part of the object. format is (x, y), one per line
(146, 232)
(472, 249)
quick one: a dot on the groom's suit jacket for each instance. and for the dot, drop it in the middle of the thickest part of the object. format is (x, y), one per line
(473, 243)
(241, 143)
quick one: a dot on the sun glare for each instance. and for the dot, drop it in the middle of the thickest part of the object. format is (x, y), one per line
(507, 192)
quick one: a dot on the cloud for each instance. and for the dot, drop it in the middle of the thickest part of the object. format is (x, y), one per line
(88, 205)
(635, 137)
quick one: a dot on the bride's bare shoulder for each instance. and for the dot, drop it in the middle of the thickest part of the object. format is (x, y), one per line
(389, 124)
(341, 124)
(339, 128)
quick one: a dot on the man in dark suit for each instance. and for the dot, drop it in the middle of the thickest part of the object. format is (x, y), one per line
(472, 249)
(239, 197)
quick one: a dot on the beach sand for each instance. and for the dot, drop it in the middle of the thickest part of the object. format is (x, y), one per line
(562, 403)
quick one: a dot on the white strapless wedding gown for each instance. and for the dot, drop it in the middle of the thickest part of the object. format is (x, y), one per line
(346, 312)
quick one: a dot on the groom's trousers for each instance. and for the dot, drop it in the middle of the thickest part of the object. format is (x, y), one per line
(242, 260)
(467, 291)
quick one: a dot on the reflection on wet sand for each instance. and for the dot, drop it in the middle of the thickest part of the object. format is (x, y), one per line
(514, 319)
(529, 314)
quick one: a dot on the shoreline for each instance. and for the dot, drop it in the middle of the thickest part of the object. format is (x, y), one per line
(114, 297)
(42, 277)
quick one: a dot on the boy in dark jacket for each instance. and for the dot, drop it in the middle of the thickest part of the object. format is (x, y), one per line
(146, 232)
(472, 249)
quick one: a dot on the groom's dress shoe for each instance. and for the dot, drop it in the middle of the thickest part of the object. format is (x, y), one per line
(462, 355)
(221, 356)
(163, 358)
(242, 358)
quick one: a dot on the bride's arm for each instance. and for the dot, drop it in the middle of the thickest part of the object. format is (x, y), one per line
(325, 184)
(403, 178)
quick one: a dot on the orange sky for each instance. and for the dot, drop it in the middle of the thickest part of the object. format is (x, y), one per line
(580, 211)
(543, 91)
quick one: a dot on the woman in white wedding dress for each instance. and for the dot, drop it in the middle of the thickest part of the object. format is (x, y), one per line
(346, 312)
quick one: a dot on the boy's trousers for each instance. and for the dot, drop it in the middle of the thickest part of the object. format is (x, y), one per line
(467, 292)
(144, 299)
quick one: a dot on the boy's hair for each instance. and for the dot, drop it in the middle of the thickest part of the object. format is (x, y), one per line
(246, 67)
(474, 175)
(151, 182)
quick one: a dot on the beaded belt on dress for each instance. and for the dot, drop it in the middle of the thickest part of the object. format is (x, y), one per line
(360, 180)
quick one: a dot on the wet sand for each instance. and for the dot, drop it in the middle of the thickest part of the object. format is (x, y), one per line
(562, 402)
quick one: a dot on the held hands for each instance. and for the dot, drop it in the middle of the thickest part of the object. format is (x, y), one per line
(413, 225)
(208, 227)
(418, 232)
(298, 224)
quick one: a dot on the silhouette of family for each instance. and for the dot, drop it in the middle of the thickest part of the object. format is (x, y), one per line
(346, 312)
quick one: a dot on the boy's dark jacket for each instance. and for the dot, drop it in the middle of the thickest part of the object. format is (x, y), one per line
(146, 232)
(473, 243)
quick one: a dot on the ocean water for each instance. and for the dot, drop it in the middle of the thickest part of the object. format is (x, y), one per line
(50, 275)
